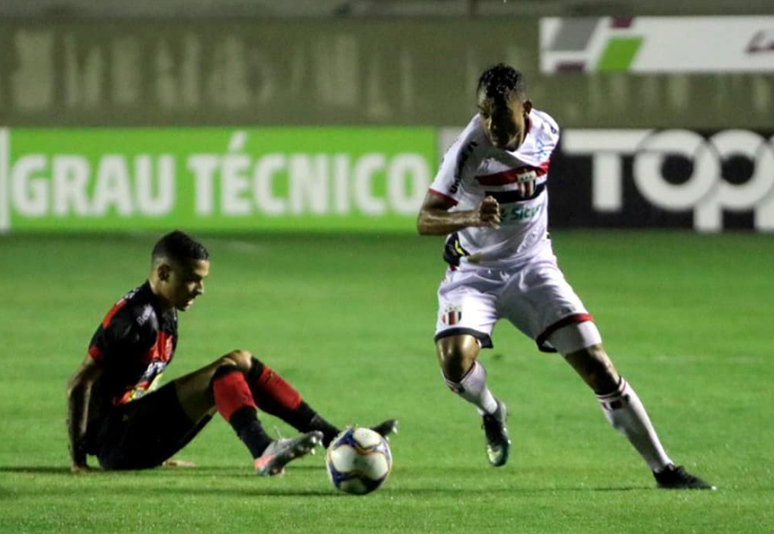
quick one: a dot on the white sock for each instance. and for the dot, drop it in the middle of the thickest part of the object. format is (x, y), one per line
(624, 411)
(473, 389)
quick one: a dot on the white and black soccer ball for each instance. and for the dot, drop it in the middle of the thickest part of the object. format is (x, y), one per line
(358, 460)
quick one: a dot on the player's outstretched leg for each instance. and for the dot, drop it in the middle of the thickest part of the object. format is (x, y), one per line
(465, 376)
(626, 413)
(621, 404)
(274, 395)
(234, 401)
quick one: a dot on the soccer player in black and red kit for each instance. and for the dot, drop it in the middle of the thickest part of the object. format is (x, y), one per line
(115, 411)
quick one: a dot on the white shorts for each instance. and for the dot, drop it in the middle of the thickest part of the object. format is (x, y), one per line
(534, 297)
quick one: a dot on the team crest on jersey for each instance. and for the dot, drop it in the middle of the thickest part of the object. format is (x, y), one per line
(451, 315)
(525, 174)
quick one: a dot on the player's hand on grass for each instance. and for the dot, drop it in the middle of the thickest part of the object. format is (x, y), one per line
(77, 469)
(487, 213)
(174, 462)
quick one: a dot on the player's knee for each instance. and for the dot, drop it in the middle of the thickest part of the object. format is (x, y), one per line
(239, 358)
(456, 354)
(225, 369)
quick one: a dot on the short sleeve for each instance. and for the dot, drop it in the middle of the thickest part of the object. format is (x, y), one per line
(546, 136)
(460, 163)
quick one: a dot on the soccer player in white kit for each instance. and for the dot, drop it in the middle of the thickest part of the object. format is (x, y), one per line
(490, 198)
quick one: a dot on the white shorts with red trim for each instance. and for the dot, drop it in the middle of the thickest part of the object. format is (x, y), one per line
(534, 297)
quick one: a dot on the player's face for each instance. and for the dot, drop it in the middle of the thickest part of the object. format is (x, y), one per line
(185, 282)
(505, 122)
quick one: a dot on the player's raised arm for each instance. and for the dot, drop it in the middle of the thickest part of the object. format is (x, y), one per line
(436, 219)
(78, 394)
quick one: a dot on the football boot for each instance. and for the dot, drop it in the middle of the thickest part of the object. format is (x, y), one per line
(281, 451)
(676, 477)
(498, 444)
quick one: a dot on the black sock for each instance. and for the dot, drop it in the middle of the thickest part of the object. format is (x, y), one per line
(305, 419)
(249, 430)
(329, 431)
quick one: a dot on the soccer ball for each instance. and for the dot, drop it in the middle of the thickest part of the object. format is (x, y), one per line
(358, 460)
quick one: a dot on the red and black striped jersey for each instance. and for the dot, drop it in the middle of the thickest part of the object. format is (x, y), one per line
(134, 344)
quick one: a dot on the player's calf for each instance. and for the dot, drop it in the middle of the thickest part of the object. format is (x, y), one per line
(593, 365)
(235, 403)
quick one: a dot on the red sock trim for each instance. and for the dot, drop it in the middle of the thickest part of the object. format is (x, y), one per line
(231, 393)
(274, 395)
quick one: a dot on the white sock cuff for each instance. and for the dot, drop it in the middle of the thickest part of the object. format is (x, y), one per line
(456, 387)
(476, 373)
(613, 400)
(618, 391)
(472, 387)
(476, 370)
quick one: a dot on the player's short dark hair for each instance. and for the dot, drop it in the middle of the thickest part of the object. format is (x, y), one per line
(179, 246)
(500, 82)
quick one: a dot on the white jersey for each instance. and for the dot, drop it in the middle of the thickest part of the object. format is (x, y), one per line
(474, 168)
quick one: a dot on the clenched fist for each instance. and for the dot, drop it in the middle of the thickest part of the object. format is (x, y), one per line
(488, 213)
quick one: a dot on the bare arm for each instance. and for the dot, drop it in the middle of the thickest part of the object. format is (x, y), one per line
(436, 219)
(78, 394)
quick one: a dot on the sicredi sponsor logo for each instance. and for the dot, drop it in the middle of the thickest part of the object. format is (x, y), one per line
(705, 192)
(511, 213)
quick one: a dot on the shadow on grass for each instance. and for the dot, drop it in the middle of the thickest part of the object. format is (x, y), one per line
(155, 472)
(269, 487)
(37, 469)
(229, 482)
(273, 490)
(425, 491)
(123, 491)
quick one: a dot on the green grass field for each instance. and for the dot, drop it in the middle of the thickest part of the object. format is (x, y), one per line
(349, 320)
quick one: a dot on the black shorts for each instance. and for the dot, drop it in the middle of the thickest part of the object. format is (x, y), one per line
(145, 432)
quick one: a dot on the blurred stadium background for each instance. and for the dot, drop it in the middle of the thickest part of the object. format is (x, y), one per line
(297, 138)
(410, 65)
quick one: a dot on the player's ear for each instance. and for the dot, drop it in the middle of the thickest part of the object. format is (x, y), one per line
(163, 271)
